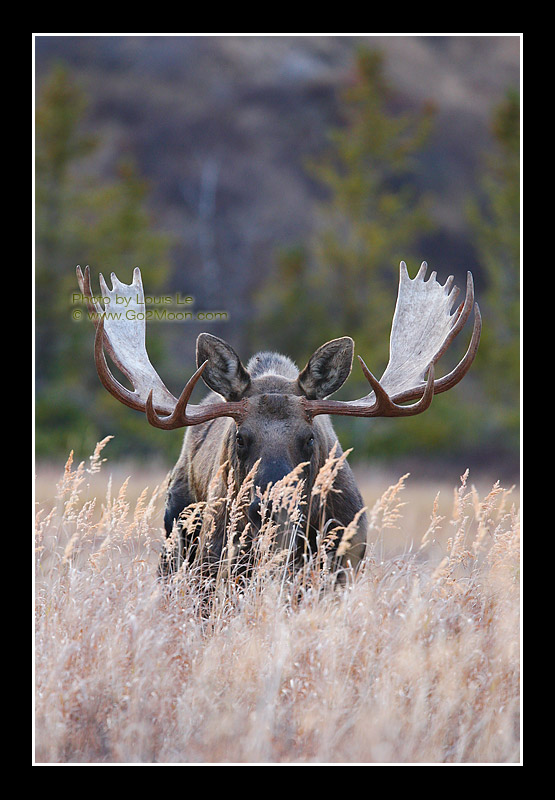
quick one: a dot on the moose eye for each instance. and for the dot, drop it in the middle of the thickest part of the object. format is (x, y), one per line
(310, 442)
(241, 443)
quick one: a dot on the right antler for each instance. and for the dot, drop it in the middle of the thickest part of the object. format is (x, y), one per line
(423, 328)
(123, 336)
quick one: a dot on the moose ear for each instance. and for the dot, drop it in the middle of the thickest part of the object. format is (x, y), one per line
(224, 372)
(328, 369)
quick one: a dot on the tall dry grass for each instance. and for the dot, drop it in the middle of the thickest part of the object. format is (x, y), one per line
(414, 660)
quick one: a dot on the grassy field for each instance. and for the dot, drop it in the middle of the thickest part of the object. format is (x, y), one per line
(414, 661)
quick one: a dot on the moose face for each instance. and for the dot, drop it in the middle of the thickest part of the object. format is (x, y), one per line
(276, 430)
(277, 436)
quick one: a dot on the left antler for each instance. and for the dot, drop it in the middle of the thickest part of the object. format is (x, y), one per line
(123, 336)
(422, 330)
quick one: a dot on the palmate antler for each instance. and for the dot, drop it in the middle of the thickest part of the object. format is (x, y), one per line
(422, 330)
(123, 335)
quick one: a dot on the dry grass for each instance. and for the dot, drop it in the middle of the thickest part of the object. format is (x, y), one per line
(415, 660)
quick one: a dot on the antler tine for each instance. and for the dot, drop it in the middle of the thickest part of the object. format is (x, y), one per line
(385, 406)
(453, 377)
(84, 281)
(180, 418)
(97, 312)
(461, 315)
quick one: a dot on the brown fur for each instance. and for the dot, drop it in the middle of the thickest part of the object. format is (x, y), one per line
(276, 431)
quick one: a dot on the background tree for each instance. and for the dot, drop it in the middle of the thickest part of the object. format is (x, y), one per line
(495, 218)
(372, 218)
(82, 218)
(343, 281)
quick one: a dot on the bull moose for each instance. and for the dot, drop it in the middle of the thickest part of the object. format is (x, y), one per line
(270, 415)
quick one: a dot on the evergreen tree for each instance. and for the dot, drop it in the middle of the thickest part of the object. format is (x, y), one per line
(60, 144)
(496, 222)
(343, 281)
(81, 218)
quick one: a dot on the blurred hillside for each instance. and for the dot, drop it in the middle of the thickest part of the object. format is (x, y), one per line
(222, 129)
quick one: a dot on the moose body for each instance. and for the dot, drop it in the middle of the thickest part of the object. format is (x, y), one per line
(278, 435)
(270, 418)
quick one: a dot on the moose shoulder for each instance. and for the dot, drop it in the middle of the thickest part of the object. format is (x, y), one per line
(268, 413)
